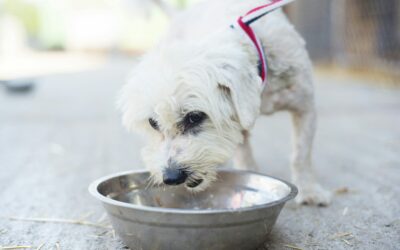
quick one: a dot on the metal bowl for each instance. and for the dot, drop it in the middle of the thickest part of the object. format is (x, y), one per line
(236, 212)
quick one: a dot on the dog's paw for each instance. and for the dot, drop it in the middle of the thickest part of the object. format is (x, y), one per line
(313, 195)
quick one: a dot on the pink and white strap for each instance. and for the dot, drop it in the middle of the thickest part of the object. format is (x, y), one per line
(244, 22)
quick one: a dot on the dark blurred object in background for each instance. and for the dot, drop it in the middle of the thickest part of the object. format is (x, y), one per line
(19, 86)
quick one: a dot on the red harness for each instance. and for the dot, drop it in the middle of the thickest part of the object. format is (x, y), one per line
(244, 24)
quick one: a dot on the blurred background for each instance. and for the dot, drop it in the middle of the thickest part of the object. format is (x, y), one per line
(359, 36)
(62, 63)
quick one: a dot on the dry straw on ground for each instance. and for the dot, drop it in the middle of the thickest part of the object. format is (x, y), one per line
(57, 220)
(292, 247)
(14, 247)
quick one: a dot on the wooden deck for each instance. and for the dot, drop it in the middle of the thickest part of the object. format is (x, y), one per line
(65, 134)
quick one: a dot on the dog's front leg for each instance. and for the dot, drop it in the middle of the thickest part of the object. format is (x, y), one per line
(243, 158)
(304, 126)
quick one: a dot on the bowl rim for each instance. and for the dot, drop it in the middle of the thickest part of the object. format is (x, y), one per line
(94, 192)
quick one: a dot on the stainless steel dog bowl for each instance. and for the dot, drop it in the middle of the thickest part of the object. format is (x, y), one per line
(236, 212)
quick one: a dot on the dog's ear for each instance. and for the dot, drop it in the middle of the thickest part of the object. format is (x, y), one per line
(244, 89)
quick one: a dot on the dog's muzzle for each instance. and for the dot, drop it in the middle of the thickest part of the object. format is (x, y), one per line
(172, 176)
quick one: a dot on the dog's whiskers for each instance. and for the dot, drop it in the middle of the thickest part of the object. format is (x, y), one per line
(151, 182)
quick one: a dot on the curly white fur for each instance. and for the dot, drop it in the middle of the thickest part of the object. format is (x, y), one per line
(203, 65)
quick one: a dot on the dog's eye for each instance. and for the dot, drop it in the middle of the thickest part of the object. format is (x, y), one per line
(153, 123)
(194, 118)
(191, 121)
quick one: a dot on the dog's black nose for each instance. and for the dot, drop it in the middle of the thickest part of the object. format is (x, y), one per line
(173, 176)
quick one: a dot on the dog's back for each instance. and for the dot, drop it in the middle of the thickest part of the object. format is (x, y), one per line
(210, 16)
(283, 45)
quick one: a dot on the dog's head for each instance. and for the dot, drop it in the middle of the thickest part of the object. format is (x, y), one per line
(193, 102)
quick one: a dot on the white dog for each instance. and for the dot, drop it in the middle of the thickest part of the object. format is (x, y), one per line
(198, 94)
